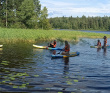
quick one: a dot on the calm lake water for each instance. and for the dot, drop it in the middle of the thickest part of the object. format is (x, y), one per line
(104, 32)
(25, 69)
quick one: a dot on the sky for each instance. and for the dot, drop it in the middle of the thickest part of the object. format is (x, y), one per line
(74, 8)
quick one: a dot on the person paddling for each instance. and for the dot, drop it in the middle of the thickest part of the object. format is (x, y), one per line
(99, 43)
(53, 45)
(105, 41)
(66, 49)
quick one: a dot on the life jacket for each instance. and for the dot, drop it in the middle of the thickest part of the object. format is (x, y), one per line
(67, 48)
(99, 44)
(105, 41)
(54, 44)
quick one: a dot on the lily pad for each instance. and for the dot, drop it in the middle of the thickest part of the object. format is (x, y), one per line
(69, 82)
(36, 75)
(75, 80)
(15, 86)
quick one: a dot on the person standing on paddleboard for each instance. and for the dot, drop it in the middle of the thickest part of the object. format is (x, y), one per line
(66, 48)
(53, 45)
(105, 41)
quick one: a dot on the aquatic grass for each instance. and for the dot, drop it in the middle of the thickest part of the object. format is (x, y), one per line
(33, 35)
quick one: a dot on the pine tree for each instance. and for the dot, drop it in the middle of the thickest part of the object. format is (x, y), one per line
(26, 14)
(44, 22)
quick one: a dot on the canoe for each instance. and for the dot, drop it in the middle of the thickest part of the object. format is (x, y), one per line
(1, 46)
(40, 47)
(72, 54)
(46, 47)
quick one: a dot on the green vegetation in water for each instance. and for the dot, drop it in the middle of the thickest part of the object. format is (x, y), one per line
(10, 79)
(15, 79)
(32, 35)
(4, 63)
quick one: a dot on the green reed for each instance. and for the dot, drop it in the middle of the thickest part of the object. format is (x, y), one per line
(33, 35)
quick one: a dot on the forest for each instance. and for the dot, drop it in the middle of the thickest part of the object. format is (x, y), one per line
(28, 14)
(23, 14)
(81, 23)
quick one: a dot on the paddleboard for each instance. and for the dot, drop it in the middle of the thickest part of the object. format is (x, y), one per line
(108, 46)
(40, 47)
(45, 47)
(1, 46)
(54, 48)
(95, 46)
(72, 54)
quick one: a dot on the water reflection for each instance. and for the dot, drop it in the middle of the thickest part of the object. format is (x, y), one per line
(104, 51)
(98, 49)
(1, 51)
(54, 52)
(13, 64)
(66, 65)
(16, 51)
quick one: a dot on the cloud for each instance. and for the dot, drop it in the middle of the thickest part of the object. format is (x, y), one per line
(77, 7)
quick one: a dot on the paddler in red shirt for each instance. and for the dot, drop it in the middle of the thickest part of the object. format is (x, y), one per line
(66, 49)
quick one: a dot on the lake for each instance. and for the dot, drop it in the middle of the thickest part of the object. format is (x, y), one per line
(104, 32)
(26, 69)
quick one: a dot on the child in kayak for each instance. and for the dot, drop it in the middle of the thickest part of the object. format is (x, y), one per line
(66, 49)
(99, 43)
(53, 45)
(105, 41)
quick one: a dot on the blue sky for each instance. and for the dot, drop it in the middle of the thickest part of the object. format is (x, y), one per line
(67, 8)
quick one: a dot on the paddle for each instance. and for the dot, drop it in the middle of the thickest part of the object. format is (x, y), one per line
(59, 52)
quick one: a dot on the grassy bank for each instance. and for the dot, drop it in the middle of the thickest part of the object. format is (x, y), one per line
(32, 35)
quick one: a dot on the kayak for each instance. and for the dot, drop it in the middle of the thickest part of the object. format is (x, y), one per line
(45, 47)
(72, 54)
(41, 47)
(1, 46)
(108, 46)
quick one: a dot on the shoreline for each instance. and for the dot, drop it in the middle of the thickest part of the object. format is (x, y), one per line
(33, 35)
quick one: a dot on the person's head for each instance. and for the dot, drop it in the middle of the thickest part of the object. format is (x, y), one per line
(104, 37)
(54, 41)
(66, 42)
(98, 40)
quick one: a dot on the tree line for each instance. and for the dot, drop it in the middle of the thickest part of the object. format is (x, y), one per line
(82, 23)
(28, 14)
(23, 14)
